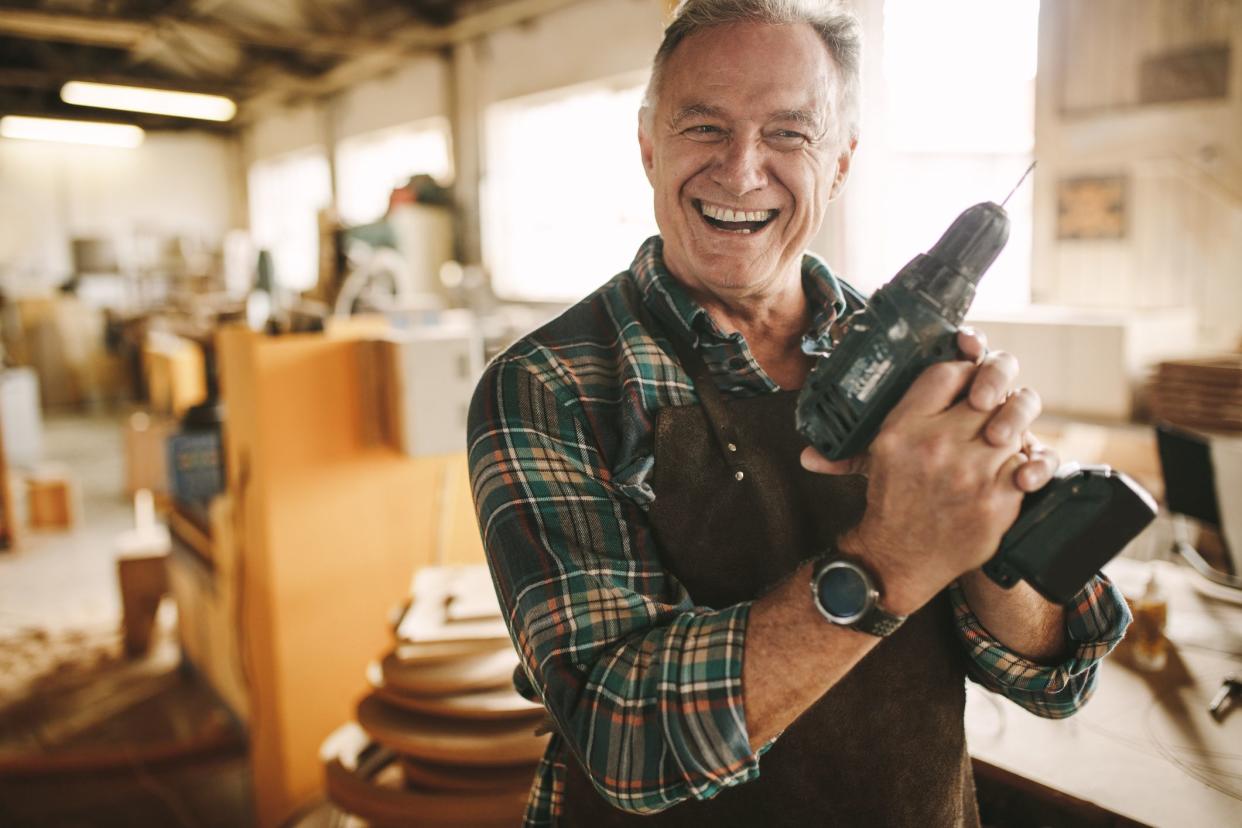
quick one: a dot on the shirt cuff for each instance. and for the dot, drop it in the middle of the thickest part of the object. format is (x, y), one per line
(1095, 620)
(704, 707)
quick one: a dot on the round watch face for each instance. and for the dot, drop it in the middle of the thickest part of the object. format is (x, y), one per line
(845, 593)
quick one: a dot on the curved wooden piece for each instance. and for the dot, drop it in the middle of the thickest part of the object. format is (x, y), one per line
(361, 781)
(431, 776)
(500, 703)
(461, 742)
(483, 671)
(430, 652)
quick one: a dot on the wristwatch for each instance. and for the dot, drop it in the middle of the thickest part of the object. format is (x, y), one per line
(847, 594)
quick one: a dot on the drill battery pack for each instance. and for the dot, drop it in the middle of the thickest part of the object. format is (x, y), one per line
(1069, 529)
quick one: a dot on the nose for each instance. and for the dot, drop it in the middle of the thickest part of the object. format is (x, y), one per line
(740, 167)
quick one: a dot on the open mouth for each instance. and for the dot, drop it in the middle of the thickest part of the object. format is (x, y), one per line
(735, 221)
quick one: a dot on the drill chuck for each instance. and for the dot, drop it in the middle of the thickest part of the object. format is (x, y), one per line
(946, 275)
(973, 240)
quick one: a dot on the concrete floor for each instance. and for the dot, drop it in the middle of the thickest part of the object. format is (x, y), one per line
(60, 614)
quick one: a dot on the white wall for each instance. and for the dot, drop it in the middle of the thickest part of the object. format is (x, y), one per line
(1182, 162)
(174, 184)
(283, 131)
(415, 91)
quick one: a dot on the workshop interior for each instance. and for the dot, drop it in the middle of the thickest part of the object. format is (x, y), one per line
(256, 254)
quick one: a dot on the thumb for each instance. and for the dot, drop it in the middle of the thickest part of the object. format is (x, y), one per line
(813, 461)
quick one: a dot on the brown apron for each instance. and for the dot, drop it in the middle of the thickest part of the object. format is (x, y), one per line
(885, 746)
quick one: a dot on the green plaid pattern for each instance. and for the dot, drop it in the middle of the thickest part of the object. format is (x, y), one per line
(645, 688)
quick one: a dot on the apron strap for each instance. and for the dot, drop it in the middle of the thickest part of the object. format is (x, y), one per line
(715, 410)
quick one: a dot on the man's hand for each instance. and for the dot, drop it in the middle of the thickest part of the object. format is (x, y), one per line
(989, 392)
(947, 473)
(989, 389)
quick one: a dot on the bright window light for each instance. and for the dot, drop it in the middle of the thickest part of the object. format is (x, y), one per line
(566, 203)
(92, 133)
(369, 166)
(960, 74)
(957, 127)
(286, 194)
(155, 101)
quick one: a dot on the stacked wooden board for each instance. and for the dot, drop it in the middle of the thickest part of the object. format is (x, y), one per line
(442, 739)
(1203, 394)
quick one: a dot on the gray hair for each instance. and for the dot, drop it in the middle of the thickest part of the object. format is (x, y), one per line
(836, 26)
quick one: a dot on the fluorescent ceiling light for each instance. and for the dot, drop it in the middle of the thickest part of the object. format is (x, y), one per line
(95, 133)
(156, 101)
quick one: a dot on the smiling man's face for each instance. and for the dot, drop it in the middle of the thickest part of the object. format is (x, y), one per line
(744, 150)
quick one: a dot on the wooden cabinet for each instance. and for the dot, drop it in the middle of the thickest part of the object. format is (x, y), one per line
(329, 530)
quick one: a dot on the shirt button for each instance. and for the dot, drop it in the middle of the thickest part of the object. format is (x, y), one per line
(738, 475)
(732, 447)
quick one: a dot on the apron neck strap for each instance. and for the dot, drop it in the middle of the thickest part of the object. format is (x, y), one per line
(715, 409)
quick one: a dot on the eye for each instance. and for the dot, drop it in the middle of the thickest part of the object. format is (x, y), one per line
(787, 139)
(704, 133)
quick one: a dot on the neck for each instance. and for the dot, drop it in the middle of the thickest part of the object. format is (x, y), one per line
(772, 323)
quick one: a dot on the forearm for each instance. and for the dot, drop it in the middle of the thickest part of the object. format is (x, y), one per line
(792, 656)
(1019, 618)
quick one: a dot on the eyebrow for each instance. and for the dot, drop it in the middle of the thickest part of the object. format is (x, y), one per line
(697, 110)
(798, 116)
(703, 110)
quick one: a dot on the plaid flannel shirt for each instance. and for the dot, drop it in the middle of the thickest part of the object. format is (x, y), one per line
(644, 687)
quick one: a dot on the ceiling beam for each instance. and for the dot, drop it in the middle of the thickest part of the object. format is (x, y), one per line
(126, 34)
(52, 79)
(366, 57)
(400, 44)
(499, 16)
(72, 28)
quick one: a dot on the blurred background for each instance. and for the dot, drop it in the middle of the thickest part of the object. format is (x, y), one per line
(255, 253)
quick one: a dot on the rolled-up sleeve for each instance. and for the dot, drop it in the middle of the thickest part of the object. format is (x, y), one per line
(1095, 621)
(644, 687)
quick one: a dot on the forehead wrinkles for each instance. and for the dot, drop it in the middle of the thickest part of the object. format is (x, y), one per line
(750, 70)
(735, 72)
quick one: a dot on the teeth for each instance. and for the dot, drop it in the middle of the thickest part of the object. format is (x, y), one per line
(726, 214)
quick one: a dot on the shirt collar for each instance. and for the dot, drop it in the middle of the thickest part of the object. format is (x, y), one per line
(668, 300)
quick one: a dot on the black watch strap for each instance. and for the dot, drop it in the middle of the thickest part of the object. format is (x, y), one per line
(879, 622)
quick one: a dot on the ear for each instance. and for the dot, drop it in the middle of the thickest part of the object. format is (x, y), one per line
(843, 169)
(645, 146)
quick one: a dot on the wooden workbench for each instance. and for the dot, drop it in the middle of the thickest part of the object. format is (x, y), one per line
(1145, 747)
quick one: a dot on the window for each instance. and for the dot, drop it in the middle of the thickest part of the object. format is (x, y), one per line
(286, 194)
(369, 166)
(957, 128)
(565, 200)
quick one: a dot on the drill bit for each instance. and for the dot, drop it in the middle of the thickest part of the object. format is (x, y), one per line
(1019, 184)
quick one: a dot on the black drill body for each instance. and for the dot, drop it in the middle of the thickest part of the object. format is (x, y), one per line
(1068, 529)
(908, 324)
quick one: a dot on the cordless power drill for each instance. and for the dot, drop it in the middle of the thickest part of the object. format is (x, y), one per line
(1068, 529)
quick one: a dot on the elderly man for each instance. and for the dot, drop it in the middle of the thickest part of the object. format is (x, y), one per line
(654, 523)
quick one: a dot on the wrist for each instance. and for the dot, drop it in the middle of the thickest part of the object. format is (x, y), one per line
(902, 590)
(847, 594)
